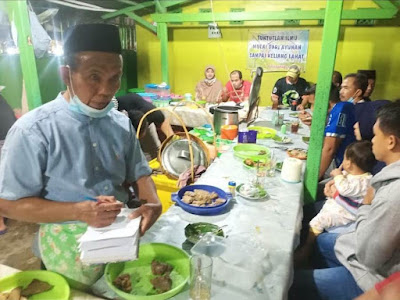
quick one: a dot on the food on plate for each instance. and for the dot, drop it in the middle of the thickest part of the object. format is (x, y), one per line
(202, 198)
(160, 268)
(162, 283)
(35, 287)
(282, 139)
(195, 231)
(250, 190)
(306, 139)
(253, 163)
(15, 294)
(297, 153)
(123, 282)
(262, 152)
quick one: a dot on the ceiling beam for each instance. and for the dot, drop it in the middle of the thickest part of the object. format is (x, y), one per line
(367, 13)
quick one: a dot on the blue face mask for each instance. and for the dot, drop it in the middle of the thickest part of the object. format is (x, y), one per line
(76, 105)
(351, 100)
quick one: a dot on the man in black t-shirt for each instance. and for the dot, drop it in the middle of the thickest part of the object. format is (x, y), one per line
(289, 88)
(150, 141)
(7, 119)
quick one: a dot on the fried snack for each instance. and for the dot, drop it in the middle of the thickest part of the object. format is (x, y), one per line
(159, 268)
(162, 283)
(15, 294)
(4, 296)
(200, 198)
(123, 282)
(35, 287)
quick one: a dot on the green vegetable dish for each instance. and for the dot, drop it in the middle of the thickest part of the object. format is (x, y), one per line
(195, 231)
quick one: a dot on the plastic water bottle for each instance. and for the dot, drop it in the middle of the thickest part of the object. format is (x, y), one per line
(283, 129)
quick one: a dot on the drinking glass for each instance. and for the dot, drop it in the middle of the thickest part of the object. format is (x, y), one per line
(200, 277)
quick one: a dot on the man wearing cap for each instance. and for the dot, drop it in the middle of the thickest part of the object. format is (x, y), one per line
(74, 148)
(236, 89)
(287, 87)
(210, 88)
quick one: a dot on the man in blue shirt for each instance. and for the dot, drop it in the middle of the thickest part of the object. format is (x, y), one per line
(72, 148)
(339, 134)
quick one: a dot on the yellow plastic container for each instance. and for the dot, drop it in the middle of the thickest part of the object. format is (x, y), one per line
(165, 186)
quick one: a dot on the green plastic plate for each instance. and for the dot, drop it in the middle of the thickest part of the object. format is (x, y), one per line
(140, 271)
(60, 290)
(263, 132)
(250, 151)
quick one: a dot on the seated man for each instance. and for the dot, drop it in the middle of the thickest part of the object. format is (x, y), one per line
(150, 141)
(305, 116)
(7, 119)
(74, 147)
(288, 85)
(353, 88)
(371, 76)
(237, 89)
(348, 265)
(339, 134)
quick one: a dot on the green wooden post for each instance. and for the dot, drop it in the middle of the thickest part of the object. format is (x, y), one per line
(162, 33)
(330, 38)
(18, 13)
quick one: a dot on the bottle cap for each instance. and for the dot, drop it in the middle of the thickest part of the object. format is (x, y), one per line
(232, 183)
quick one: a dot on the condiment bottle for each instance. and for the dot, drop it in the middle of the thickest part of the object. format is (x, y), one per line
(232, 187)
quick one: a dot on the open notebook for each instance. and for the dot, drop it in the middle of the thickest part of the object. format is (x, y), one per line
(117, 242)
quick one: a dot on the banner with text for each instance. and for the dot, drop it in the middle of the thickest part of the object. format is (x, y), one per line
(277, 50)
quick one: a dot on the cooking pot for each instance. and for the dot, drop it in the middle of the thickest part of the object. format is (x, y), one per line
(225, 115)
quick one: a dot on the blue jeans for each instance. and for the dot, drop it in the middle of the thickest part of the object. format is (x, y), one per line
(329, 280)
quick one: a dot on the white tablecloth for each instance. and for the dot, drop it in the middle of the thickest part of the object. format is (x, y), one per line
(75, 295)
(271, 225)
(192, 117)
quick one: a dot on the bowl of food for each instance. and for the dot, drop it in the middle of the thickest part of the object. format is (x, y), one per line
(160, 272)
(195, 231)
(40, 285)
(263, 132)
(201, 199)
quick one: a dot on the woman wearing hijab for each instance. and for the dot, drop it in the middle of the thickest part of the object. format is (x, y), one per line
(366, 117)
(209, 89)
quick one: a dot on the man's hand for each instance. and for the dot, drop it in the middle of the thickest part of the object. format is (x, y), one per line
(338, 171)
(149, 212)
(369, 196)
(99, 214)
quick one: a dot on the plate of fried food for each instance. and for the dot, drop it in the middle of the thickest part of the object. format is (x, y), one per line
(297, 153)
(40, 285)
(201, 199)
(160, 272)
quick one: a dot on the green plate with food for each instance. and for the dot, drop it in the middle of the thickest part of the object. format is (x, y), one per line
(160, 272)
(263, 132)
(250, 151)
(282, 139)
(195, 231)
(306, 139)
(40, 285)
(251, 191)
(251, 162)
